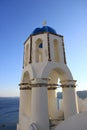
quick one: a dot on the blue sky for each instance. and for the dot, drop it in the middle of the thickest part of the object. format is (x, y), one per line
(18, 18)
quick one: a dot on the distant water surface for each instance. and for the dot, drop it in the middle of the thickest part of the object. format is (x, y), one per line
(9, 109)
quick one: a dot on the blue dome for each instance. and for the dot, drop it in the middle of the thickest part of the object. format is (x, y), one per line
(43, 29)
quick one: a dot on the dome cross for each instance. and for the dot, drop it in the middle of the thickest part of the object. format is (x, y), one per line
(44, 23)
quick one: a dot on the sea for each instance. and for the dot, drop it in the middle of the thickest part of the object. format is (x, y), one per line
(9, 110)
(9, 113)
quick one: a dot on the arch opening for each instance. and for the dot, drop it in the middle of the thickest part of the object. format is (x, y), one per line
(26, 77)
(55, 76)
(70, 107)
(39, 50)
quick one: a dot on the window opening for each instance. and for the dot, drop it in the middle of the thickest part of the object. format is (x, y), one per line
(39, 51)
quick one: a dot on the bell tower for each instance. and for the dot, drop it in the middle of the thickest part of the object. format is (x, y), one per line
(44, 62)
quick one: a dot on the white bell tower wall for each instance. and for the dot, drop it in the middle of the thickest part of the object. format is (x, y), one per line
(44, 62)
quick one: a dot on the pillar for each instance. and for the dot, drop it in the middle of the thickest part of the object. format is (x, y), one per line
(40, 104)
(69, 98)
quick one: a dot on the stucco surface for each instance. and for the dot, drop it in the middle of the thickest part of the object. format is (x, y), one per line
(76, 122)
